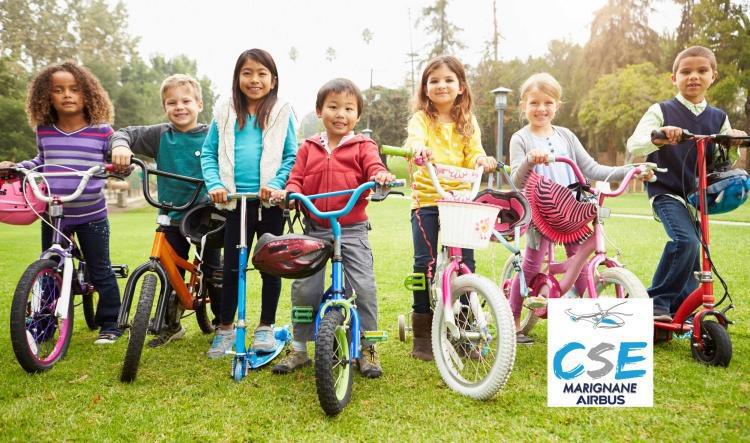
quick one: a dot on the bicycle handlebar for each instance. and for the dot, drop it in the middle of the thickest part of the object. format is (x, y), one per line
(86, 175)
(722, 139)
(168, 206)
(639, 169)
(355, 194)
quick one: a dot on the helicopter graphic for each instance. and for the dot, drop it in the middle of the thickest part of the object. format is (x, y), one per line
(602, 319)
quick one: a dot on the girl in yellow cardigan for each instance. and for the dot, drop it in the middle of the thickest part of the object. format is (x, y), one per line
(442, 130)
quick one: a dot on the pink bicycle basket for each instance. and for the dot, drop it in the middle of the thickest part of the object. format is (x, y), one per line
(14, 210)
(555, 211)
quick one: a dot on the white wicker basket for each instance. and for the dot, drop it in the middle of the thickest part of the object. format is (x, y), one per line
(466, 224)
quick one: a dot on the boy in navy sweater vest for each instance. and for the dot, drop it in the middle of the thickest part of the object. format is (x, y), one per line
(693, 72)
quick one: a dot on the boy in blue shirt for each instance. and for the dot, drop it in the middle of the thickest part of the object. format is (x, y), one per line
(693, 72)
(176, 147)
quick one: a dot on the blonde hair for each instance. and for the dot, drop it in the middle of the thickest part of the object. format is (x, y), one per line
(181, 80)
(545, 83)
(694, 51)
(461, 110)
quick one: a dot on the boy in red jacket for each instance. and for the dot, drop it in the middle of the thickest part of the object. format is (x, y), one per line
(337, 160)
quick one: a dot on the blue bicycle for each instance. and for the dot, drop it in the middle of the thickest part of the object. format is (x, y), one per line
(337, 327)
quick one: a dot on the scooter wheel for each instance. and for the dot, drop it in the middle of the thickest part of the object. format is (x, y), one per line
(237, 370)
(402, 327)
(717, 346)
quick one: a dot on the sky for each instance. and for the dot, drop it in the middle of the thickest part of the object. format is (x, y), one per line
(215, 35)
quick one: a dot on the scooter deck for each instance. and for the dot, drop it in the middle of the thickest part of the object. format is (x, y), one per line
(258, 359)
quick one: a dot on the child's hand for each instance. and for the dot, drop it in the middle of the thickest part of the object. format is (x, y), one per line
(673, 133)
(218, 195)
(488, 163)
(646, 176)
(421, 153)
(736, 133)
(537, 157)
(383, 177)
(265, 193)
(121, 158)
(278, 197)
(6, 165)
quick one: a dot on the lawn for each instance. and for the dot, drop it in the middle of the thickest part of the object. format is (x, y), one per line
(181, 395)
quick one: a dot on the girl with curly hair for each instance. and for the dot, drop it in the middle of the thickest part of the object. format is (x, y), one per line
(71, 113)
(444, 129)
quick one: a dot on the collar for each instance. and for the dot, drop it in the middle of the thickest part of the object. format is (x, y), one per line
(344, 139)
(695, 108)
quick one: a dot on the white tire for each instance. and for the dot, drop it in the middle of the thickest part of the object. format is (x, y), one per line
(619, 283)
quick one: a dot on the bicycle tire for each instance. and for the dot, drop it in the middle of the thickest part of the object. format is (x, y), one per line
(201, 316)
(621, 283)
(38, 337)
(89, 309)
(472, 348)
(528, 318)
(139, 329)
(717, 345)
(333, 368)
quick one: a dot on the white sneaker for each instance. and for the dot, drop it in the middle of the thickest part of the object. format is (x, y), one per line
(263, 339)
(221, 344)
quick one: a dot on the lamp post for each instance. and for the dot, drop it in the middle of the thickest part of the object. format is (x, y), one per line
(501, 104)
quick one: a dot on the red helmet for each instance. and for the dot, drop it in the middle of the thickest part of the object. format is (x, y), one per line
(291, 255)
(14, 208)
(514, 210)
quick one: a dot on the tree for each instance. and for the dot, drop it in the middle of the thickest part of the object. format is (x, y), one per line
(17, 141)
(293, 54)
(367, 36)
(387, 114)
(330, 54)
(436, 23)
(613, 107)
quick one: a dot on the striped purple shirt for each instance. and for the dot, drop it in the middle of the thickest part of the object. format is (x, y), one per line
(78, 150)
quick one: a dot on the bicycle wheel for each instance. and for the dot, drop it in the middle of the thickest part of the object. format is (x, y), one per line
(528, 318)
(139, 329)
(619, 283)
(201, 316)
(89, 309)
(717, 346)
(38, 336)
(477, 361)
(333, 369)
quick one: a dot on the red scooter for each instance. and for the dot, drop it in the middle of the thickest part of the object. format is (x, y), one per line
(709, 339)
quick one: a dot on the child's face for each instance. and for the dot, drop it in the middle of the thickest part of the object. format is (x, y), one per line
(182, 108)
(339, 114)
(539, 108)
(693, 77)
(256, 81)
(443, 87)
(66, 96)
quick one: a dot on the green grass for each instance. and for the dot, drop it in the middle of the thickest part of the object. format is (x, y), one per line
(181, 395)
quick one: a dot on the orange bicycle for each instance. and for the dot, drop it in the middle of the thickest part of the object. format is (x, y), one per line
(165, 270)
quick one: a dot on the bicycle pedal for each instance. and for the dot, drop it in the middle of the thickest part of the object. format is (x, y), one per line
(302, 314)
(415, 282)
(376, 336)
(121, 271)
(535, 302)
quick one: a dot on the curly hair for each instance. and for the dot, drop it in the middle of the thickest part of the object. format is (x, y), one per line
(461, 110)
(97, 107)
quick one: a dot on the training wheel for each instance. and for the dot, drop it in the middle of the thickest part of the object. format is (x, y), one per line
(402, 327)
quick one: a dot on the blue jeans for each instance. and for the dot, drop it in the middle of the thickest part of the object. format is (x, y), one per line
(93, 239)
(425, 250)
(673, 280)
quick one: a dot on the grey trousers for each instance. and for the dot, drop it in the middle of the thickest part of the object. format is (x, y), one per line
(359, 275)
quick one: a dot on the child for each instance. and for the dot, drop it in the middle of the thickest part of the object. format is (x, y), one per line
(541, 97)
(250, 147)
(332, 161)
(443, 129)
(176, 147)
(70, 112)
(693, 72)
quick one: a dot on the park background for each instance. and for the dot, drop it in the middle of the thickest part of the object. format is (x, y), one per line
(613, 59)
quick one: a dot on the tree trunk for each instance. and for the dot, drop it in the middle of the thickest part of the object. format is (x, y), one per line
(611, 152)
(747, 126)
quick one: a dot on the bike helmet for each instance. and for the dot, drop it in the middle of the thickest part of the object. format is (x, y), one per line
(726, 191)
(514, 210)
(204, 220)
(14, 208)
(291, 255)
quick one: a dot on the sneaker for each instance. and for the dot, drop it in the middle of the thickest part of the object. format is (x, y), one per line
(662, 316)
(292, 361)
(523, 339)
(221, 344)
(263, 339)
(535, 302)
(369, 364)
(108, 336)
(167, 335)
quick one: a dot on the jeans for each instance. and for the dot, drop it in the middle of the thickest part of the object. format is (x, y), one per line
(271, 220)
(425, 251)
(673, 280)
(93, 239)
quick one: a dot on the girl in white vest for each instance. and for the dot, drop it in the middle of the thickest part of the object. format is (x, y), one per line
(250, 147)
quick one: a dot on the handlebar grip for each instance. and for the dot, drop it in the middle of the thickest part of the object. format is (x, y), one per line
(660, 135)
(396, 151)
(503, 167)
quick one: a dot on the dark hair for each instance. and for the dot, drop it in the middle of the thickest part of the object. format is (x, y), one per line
(694, 51)
(97, 107)
(266, 103)
(339, 86)
(461, 110)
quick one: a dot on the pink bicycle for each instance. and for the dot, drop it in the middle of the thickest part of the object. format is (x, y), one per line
(605, 275)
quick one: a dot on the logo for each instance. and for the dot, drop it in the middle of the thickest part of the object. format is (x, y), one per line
(600, 352)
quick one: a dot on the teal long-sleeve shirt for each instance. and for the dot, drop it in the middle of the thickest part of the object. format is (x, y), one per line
(248, 146)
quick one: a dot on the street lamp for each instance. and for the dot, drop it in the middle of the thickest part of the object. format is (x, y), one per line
(501, 104)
